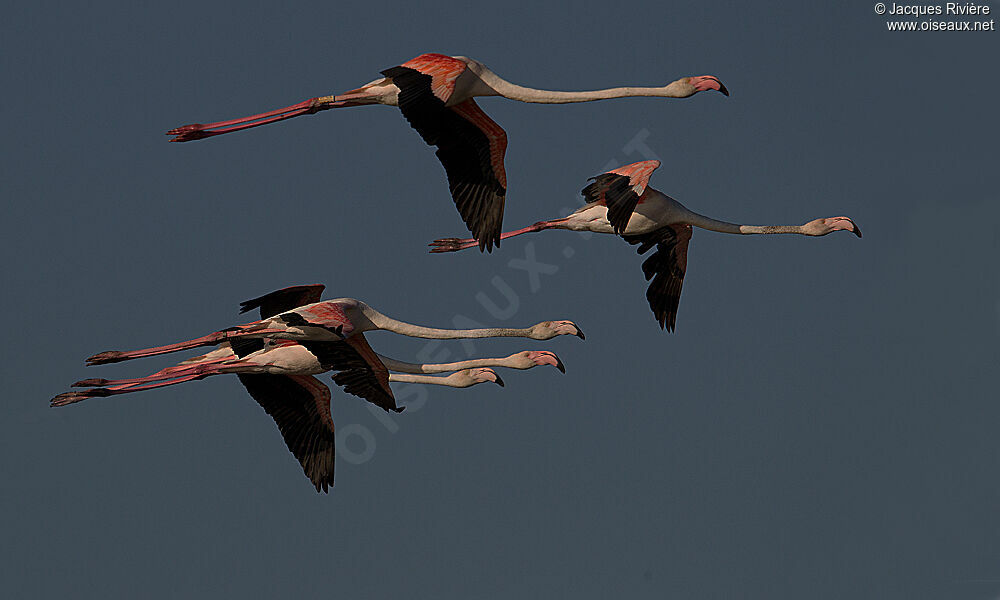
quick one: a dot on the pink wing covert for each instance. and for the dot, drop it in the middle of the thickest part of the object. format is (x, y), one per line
(444, 71)
(620, 191)
(329, 314)
(638, 174)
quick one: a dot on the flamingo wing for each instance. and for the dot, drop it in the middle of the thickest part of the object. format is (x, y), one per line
(621, 190)
(300, 406)
(473, 157)
(666, 268)
(284, 300)
(271, 304)
(359, 370)
(471, 146)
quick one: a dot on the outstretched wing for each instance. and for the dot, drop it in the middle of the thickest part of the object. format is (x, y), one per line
(284, 300)
(300, 406)
(359, 370)
(471, 146)
(666, 267)
(272, 304)
(620, 190)
(472, 154)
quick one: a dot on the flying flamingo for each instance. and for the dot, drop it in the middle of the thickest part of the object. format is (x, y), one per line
(278, 374)
(622, 203)
(435, 94)
(330, 320)
(281, 380)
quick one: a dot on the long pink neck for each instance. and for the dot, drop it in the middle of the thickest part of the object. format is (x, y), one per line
(449, 381)
(704, 222)
(380, 321)
(405, 367)
(526, 94)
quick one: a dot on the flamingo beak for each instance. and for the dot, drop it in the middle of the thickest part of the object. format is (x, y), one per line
(551, 358)
(709, 82)
(722, 88)
(854, 226)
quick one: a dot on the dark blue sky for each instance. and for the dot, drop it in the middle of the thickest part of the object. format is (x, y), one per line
(822, 424)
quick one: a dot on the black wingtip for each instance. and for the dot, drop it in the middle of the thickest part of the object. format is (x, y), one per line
(499, 381)
(857, 230)
(723, 90)
(665, 326)
(486, 246)
(560, 365)
(579, 332)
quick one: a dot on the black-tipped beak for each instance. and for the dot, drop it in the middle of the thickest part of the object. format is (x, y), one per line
(498, 381)
(722, 87)
(579, 332)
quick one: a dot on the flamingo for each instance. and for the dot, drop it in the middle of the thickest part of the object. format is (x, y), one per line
(621, 202)
(435, 94)
(279, 375)
(327, 321)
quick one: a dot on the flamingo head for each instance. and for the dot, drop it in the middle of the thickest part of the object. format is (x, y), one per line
(546, 330)
(532, 358)
(689, 86)
(831, 224)
(471, 377)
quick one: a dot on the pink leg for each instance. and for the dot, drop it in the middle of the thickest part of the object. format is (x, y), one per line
(197, 131)
(209, 340)
(168, 373)
(101, 392)
(456, 244)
